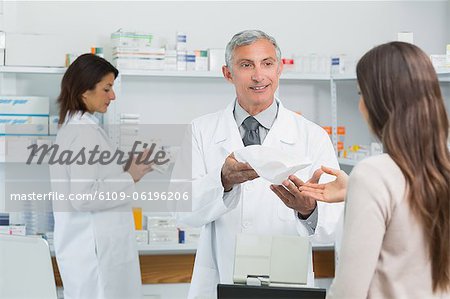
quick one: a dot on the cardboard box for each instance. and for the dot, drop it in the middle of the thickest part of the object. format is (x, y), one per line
(24, 105)
(23, 125)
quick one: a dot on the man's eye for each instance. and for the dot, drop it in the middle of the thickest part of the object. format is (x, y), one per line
(246, 65)
(107, 90)
(268, 63)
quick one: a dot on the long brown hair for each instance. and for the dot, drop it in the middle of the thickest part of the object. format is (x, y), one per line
(406, 112)
(82, 75)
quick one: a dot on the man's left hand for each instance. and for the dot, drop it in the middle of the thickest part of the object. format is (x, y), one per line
(292, 197)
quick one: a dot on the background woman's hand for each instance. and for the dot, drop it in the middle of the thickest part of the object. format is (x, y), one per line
(137, 171)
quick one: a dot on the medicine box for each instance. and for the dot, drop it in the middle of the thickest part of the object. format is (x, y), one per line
(53, 124)
(141, 237)
(23, 125)
(24, 105)
(131, 39)
(18, 230)
(216, 59)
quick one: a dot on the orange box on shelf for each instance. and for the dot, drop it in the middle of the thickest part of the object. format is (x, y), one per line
(137, 215)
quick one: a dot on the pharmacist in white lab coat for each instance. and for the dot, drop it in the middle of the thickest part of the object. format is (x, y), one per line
(228, 196)
(94, 240)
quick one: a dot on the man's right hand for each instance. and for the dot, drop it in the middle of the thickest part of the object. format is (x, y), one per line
(234, 172)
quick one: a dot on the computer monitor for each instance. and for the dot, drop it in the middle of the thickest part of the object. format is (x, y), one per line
(26, 268)
(234, 291)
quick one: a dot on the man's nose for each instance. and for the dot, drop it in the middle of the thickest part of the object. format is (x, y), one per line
(257, 75)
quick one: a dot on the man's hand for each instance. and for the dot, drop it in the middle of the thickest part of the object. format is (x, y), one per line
(290, 194)
(234, 172)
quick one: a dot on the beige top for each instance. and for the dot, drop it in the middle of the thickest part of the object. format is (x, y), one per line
(383, 253)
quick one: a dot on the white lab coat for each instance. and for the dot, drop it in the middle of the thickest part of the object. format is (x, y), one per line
(251, 207)
(95, 245)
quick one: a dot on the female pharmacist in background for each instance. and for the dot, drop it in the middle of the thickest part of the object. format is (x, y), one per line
(396, 241)
(94, 240)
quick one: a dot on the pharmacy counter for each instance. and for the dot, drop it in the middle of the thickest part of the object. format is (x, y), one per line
(173, 263)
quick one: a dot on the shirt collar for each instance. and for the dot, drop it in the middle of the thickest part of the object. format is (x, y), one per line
(266, 118)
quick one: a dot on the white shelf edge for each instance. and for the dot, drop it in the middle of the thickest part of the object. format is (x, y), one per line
(32, 70)
(188, 74)
(304, 76)
(173, 249)
(349, 162)
(153, 249)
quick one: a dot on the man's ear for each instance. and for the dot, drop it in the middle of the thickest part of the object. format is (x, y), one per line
(227, 73)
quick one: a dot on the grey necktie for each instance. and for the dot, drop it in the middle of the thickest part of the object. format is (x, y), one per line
(251, 135)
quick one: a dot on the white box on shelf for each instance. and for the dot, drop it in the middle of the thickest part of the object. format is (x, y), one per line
(163, 236)
(191, 235)
(439, 61)
(141, 237)
(216, 59)
(405, 36)
(19, 230)
(161, 222)
(29, 105)
(2, 57)
(53, 124)
(131, 39)
(376, 148)
(23, 125)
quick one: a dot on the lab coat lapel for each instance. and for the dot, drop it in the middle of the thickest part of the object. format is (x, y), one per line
(283, 133)
(227, 133)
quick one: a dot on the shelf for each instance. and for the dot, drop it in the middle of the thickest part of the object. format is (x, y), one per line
(443, 75)
(344, 76)
(215, 74)
(32, 70)
(167, 249)
(348, 162)
(304, 76)
(187, 74)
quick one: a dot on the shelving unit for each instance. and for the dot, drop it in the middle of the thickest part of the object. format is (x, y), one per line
(444, 76)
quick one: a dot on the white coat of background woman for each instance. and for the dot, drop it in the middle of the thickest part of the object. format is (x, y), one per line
(94, 240)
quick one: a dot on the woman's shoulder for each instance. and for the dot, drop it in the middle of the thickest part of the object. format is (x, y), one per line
(379, 163)
(377, 171)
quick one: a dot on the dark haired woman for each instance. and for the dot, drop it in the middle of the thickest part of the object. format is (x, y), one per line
(94, 239)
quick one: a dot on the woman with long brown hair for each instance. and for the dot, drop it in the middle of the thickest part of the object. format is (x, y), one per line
(396, 241)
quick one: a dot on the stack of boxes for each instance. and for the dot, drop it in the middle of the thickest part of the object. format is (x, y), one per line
(441, 62)
(8, 229)
(138, 51)
(24, 115)
(134, 50)
(162, 230)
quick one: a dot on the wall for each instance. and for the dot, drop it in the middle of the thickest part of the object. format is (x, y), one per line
(301, 27)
